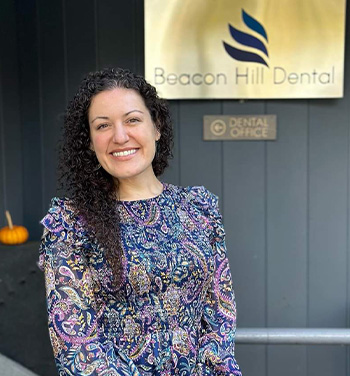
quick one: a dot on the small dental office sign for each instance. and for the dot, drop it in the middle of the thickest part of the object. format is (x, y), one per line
(239, 127)
(245, 48)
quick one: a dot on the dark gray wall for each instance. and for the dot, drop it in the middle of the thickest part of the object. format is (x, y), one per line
(285, 202)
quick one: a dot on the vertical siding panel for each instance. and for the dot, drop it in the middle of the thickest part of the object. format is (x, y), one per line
(287, 237)
(30, 115)
(328, 230)
(3, 199)
(116, 34)
(348, 254)
(244, 202)
(53, 89)
(12, 169)
(139, 37)
(200, 161)
(172, 173)
(347, 121)
(348, 240)
(80, 42)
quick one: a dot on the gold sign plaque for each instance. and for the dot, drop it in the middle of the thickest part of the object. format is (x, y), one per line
(239, 127)
(245, 48)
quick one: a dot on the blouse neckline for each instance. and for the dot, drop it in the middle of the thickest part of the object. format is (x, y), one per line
(145, 200)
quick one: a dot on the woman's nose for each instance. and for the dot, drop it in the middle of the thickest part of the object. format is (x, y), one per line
(120, 134)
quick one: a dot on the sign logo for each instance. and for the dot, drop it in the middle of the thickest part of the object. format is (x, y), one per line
(248, 40)
(218, 127)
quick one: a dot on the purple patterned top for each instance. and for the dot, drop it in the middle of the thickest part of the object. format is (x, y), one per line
(175, 313)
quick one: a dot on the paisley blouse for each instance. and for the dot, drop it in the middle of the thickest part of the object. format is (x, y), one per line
(175, 313)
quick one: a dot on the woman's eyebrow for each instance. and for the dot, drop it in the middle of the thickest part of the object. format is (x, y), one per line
(107, 118)
(100, 117)
(128, 113)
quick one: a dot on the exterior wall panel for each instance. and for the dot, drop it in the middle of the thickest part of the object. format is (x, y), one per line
(244, 193)
(286, 203)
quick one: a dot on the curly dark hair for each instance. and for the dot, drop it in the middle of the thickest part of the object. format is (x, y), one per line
(93, 190)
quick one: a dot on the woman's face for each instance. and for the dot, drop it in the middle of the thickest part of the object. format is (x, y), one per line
(122, 134)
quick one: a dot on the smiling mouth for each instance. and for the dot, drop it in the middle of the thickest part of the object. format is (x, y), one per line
(124, 153)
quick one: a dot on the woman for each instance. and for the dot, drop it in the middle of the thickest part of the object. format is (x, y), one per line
(137, 277)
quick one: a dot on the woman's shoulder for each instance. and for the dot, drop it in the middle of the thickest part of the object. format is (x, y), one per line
(63, 232)
(59, 204)
(61, 216)
(199, 201)
(196, 194)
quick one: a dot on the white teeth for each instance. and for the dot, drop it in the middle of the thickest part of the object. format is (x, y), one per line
(124, 153)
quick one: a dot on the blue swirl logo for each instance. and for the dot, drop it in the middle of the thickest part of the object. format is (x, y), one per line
(248, 40)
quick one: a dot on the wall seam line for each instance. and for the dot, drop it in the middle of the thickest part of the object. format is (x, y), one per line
(97, 64)
(222, 167)
(65, 53)
(347, 247)
(20, 110)
(179, 139)
(2, 134)
(135, 63)
(41, 115)
(266, 247)
(308, 228)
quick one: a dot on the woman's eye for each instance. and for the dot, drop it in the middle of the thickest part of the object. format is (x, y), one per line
(101, 126)
(133, 120)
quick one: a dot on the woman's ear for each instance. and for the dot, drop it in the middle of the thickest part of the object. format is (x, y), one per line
(157, 129)
(157, 132)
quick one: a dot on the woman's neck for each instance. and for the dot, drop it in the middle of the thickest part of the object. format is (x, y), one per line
(131, 190)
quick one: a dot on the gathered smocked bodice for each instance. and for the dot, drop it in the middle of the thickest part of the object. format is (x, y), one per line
(174, 313)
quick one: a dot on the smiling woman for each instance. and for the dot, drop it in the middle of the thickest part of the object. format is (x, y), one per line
(124, 137)
(137, 277)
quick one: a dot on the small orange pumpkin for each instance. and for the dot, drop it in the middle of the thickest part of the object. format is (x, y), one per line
(13, 234)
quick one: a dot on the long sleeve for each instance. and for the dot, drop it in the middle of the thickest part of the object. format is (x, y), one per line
(216, 351)
(79, 345)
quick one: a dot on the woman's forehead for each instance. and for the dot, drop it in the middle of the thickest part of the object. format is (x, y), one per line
(117, 99)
